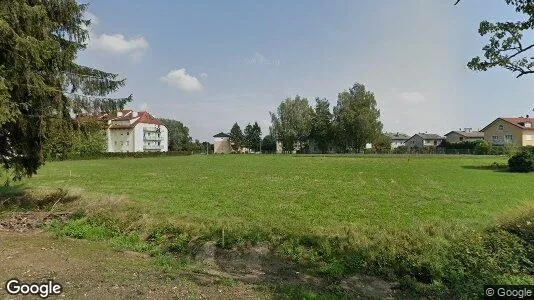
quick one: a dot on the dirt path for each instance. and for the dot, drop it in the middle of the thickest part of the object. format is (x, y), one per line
(91, 270)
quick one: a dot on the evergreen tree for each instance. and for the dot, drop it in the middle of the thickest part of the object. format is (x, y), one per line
(248, 136)
(253, 136)
(268, 144)
(236, 137)
(40, 81)
(256, 137)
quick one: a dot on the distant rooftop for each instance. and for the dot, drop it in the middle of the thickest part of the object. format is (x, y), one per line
(468, 134)
(221, 134)
(430, 136)
(397, 136)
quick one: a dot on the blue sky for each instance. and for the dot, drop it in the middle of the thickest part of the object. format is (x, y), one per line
(212, 63)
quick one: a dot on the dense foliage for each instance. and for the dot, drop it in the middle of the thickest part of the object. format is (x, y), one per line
(237, 138)
(179, 139)
(268, 144)
(353, 123)
(292, 122)
(521, 162)
(40, 83)
(322, 130)
(356, 118)
(252, 137)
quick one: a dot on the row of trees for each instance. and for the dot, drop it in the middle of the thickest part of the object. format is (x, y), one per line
(353, 122)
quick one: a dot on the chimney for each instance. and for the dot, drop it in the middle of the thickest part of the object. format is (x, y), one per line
(134, 114)
(119, 114)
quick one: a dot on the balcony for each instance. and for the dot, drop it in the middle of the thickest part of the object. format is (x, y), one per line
(151, 137)
(151, 129)
(152, 147)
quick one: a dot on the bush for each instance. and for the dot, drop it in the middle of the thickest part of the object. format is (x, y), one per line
(482, 148)
(521, 162)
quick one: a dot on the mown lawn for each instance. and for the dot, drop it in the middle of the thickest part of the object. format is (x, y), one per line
(302, 194)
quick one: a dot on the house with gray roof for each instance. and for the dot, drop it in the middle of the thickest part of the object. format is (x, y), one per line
(457, 136)
(397, 139)
(422, 140)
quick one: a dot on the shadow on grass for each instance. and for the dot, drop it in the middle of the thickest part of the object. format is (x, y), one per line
(12, 190)
(493, 167)
(16, 198)
(285, 280)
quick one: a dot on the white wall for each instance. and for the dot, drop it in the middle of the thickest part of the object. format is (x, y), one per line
(396, 143)
(141, 143)
(120, 140)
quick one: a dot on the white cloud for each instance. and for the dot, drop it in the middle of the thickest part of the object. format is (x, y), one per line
(118, 44)
(412, 97)
(180, 79)
(115, 44)
(203, 75)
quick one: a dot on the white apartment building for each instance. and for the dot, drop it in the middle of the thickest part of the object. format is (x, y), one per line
(134, 131)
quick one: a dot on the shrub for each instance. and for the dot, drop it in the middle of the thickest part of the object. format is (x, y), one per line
(482, 148)
(521, 162)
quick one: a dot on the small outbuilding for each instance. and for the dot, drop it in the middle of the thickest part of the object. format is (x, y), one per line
(458, 136)
(221, 143)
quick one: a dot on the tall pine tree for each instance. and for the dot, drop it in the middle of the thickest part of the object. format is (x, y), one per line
(40, 80)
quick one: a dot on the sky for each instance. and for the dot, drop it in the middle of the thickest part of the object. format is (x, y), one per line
(209, 64)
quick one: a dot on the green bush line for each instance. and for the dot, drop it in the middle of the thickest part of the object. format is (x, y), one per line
(432, 261)
(123, 155)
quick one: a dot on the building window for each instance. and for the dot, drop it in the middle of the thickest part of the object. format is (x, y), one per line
(509, 137)
(127, 143)
(115, 143)
(128, 133)
(122, 143)
(461, 138)
(501, 127)
(529, 137)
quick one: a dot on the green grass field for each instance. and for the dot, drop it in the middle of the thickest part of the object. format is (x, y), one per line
(302, 194)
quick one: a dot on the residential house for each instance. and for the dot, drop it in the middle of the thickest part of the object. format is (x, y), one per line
(132, 131)
(457, 136)
(221, 143)
(397, 139)
(515, 131)
(422, 140)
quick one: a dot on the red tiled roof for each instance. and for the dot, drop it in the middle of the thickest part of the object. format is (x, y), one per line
(520, 122)
(142, 117)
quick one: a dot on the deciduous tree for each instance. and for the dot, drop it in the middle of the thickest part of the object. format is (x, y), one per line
(292, 122)
(507, 46)
(322, 131)
(179, 139)
(356, 118)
